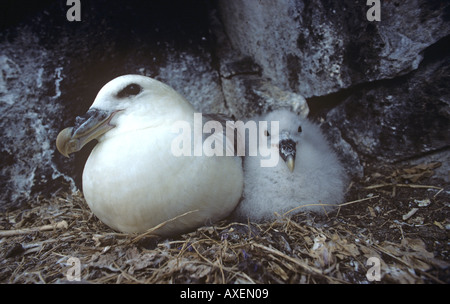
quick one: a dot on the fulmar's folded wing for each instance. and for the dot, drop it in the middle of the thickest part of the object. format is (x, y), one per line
(225, 133)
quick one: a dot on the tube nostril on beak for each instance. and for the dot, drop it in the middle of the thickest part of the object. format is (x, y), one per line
(287, 149)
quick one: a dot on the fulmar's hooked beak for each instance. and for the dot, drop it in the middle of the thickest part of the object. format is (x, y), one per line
(88, 127)
(287, 148)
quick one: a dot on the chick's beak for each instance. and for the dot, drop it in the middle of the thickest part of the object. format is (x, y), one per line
(88, 127)
(287, 148)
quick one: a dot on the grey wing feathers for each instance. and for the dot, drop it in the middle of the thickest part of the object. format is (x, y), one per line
(227, 130)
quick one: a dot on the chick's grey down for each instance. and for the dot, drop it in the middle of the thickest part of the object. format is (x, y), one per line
(308, 176)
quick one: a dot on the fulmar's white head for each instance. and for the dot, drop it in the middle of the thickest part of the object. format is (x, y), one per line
(125, 104)
(132, 181)
(308, 175)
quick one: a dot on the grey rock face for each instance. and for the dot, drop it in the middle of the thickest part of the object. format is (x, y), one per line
(393, 121)
(52, 69)
(29, 90)
(318, 47)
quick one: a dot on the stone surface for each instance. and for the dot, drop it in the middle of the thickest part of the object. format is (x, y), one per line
(29, 90)
(317, 47)
(52, 69)
(397, 120)
(246, 91)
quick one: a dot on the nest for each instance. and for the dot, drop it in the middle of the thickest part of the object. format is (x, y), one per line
(392, 229)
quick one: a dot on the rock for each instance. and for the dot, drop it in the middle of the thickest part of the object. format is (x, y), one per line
(317, 47)
(401, 119)
(246, 91)
(29, 90)
(347, 154)
(52, 69)
(248, 94)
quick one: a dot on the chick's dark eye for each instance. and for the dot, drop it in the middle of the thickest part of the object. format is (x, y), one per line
(299, 129)
(130, 90)
(266, 133)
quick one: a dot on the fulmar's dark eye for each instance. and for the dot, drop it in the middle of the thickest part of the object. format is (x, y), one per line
(299, 130)
(266, 133)
(130, 90)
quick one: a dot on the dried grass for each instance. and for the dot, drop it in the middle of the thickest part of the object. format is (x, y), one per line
(37, 242)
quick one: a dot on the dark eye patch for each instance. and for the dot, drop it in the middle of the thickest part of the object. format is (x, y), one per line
(130, 90)
(299, 130)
